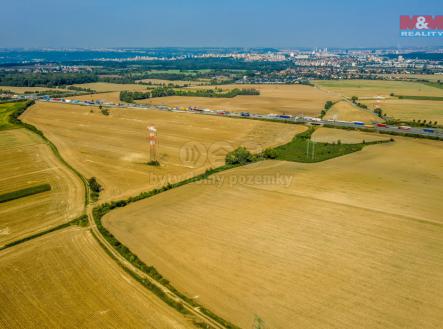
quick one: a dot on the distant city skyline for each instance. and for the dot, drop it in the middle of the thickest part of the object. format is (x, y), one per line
(198, 23)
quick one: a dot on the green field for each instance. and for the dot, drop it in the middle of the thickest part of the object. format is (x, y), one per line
(6, 110)
(302, 149)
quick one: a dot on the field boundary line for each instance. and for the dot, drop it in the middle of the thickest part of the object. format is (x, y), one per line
(398, 216)
(172, 297)
(14, 118)
(80, 221)
(119, 250)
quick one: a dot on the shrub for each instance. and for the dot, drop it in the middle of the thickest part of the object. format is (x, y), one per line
(154, 163)
(270, 153)
(94, 185)
(239, 156)
(328, 105)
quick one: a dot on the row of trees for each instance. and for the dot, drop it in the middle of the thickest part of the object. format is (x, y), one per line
(45, 79)
(130, 96)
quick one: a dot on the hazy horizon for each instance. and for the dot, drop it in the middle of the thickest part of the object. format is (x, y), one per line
(197, 23)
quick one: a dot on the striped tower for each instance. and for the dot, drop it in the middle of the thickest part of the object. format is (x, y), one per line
(152, 141)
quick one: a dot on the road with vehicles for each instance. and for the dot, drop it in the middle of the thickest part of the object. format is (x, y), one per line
(377, 127)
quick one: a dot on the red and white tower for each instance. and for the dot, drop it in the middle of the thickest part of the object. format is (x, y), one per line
(153, 143)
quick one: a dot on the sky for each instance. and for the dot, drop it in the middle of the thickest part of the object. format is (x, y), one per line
(209, 23)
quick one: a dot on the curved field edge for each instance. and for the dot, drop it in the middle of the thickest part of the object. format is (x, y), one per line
(151, 271)
(75, 285)
(15, 119)
(15, 122)
(126, 253)
(100, 211)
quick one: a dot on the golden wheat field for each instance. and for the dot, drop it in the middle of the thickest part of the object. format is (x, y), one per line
(27, 161)
(345, 111)
(22, 90)
(409, 109)
(65, 280)
(114, 148)
(278, 99)
(331, 135)
(105, 86)
(161, 82)
(107, 97)
(374, 88)
(352, 242)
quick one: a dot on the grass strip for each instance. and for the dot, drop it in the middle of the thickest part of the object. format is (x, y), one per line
(151, 271)
(14, 119)
(79, 221)
(422, 98)
(24, 192)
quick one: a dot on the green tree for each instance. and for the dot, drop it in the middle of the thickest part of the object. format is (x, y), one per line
(239, 156)
(328, 105)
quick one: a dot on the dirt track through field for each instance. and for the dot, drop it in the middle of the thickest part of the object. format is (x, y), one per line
(65, 280)
(350, 242)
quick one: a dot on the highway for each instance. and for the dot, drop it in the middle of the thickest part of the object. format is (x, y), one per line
(382, 128)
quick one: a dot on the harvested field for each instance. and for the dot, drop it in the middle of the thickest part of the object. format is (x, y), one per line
(278, 99)
(65, 280)
(353, 242)
(409, 109)
(331, 135)
(110, 97)
(114, 148)
(105, 87)
(160, 82)
(27, 161)
(373, 88)
(345, 111)
(22, 90)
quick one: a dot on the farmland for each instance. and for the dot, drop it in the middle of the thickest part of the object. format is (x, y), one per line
(409, 109)
(429, 77)
(105, 87)
(65, 280)
(108, 97)
(113, 148)
(330, 135)
(160, 82)
(26, 162)
(350, 242)
(22, 90)
(346, 111)
(279, 99)
(373, 88)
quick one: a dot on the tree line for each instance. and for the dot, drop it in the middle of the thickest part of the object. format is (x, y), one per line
(131, 96)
